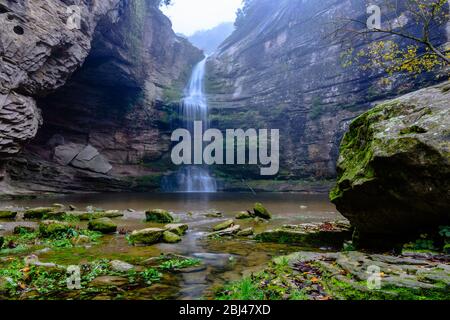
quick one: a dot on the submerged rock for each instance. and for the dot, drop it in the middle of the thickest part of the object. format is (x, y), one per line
(6, 214)
(103, 225)
(325, 234)
(224, 225)
(394, 168)
(147, 236)
(159, 216)
(170, 237)
(261, 211)
(50, 228)
(179, 228)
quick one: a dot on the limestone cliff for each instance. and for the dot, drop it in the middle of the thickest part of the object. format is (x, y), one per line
(96, 91)
(281, 70)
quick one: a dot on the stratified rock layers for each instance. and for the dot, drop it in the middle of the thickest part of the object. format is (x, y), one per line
(99, 87)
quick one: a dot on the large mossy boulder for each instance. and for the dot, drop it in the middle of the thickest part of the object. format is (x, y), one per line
(51, 228)
(261, 211)
(7, 214)
(146, 236)
(103, 225)
(394, 168)
(159, 216)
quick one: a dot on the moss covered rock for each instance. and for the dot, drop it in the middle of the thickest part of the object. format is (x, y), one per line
(178, 228)
(103, 225)
(394, 168)
(224, 225)
(100, 214)
(261, 211)
(244, 215)
(170, 237)
(147, 236)
(50, 228)
(38, 213)
(321, 234)
(159, 216)
(2, 240)
(6, 214)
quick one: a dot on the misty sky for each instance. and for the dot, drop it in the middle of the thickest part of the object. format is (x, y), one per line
(189, 16)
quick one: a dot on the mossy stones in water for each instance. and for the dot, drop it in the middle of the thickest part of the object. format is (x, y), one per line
(38, 213)
(103, 225)
(6, 214)
(224, 225)
(177, 228)
(261, 211)
(159, 216)
(170, 237)
(49, 228)
(100, 214)
(147, 236)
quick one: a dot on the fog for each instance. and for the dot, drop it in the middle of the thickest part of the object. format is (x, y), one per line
(189, 16)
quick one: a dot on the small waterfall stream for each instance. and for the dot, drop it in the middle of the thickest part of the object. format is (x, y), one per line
(193, 107)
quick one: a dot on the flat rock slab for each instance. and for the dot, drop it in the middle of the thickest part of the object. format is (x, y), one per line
(353, 270)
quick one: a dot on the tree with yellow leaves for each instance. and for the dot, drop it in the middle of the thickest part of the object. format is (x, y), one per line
(405, 39)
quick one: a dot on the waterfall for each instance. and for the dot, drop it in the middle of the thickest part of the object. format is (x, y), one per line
(193, 107)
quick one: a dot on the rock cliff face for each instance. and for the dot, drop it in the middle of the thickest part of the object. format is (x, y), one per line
(281, 70)
(96, 90)
(394, 167)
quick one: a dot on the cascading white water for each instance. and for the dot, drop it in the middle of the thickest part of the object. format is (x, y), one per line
(194, 107)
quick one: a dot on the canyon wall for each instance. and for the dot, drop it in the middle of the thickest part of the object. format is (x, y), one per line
(282, 69)
(95, 93)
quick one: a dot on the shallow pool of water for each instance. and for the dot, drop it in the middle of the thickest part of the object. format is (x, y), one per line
(225, 260)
